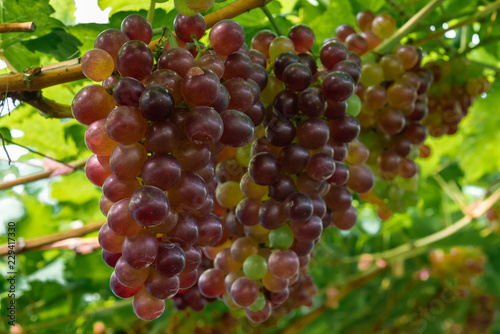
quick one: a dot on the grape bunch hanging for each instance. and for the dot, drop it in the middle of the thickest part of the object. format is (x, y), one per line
(221, 166)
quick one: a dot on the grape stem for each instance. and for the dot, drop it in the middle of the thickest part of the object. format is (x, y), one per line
(37, 243)
(151, 12)
(271, 19)
(18, 27)
(408, 27)
(171, 38)
(492, 7)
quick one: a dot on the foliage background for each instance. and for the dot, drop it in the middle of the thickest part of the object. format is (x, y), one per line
(65, 291)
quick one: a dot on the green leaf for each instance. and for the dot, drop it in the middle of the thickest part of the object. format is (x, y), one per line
(74, 188)
(65, 11)
(43, 134)
(60, 44)
(38, 220)
(51, 272)
(337, 13)
(18, 54)
(5, 132)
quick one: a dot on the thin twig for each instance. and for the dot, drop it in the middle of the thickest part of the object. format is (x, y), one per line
(272, 20)
(453, 192)
(5, 149)
(76, 165)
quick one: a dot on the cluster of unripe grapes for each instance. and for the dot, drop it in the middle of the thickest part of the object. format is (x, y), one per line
(399, 108)
(453, 91)
(458, 270)
(463, 264)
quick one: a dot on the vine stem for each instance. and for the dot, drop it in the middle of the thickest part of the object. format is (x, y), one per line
(408, 27)
(18, 27)
(271, 19)
(34, 79)
(414, 248)
(37, 243)
(46, 107)
(492, 7)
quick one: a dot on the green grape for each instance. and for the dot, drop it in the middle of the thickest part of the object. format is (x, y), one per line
(243, 155)
(255, 267)
(229, 194)
(281, 238)
(354, 105)
(199, 6)
(183, 9)
(371, 74)
(274, 86)
(259, 304)
(279, 45)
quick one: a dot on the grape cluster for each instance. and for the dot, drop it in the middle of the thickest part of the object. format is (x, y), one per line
(458, 270)
(392, 98)
(462, 263)
(156, 128)
(219, 166)
(455, 87)
(401, 103)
